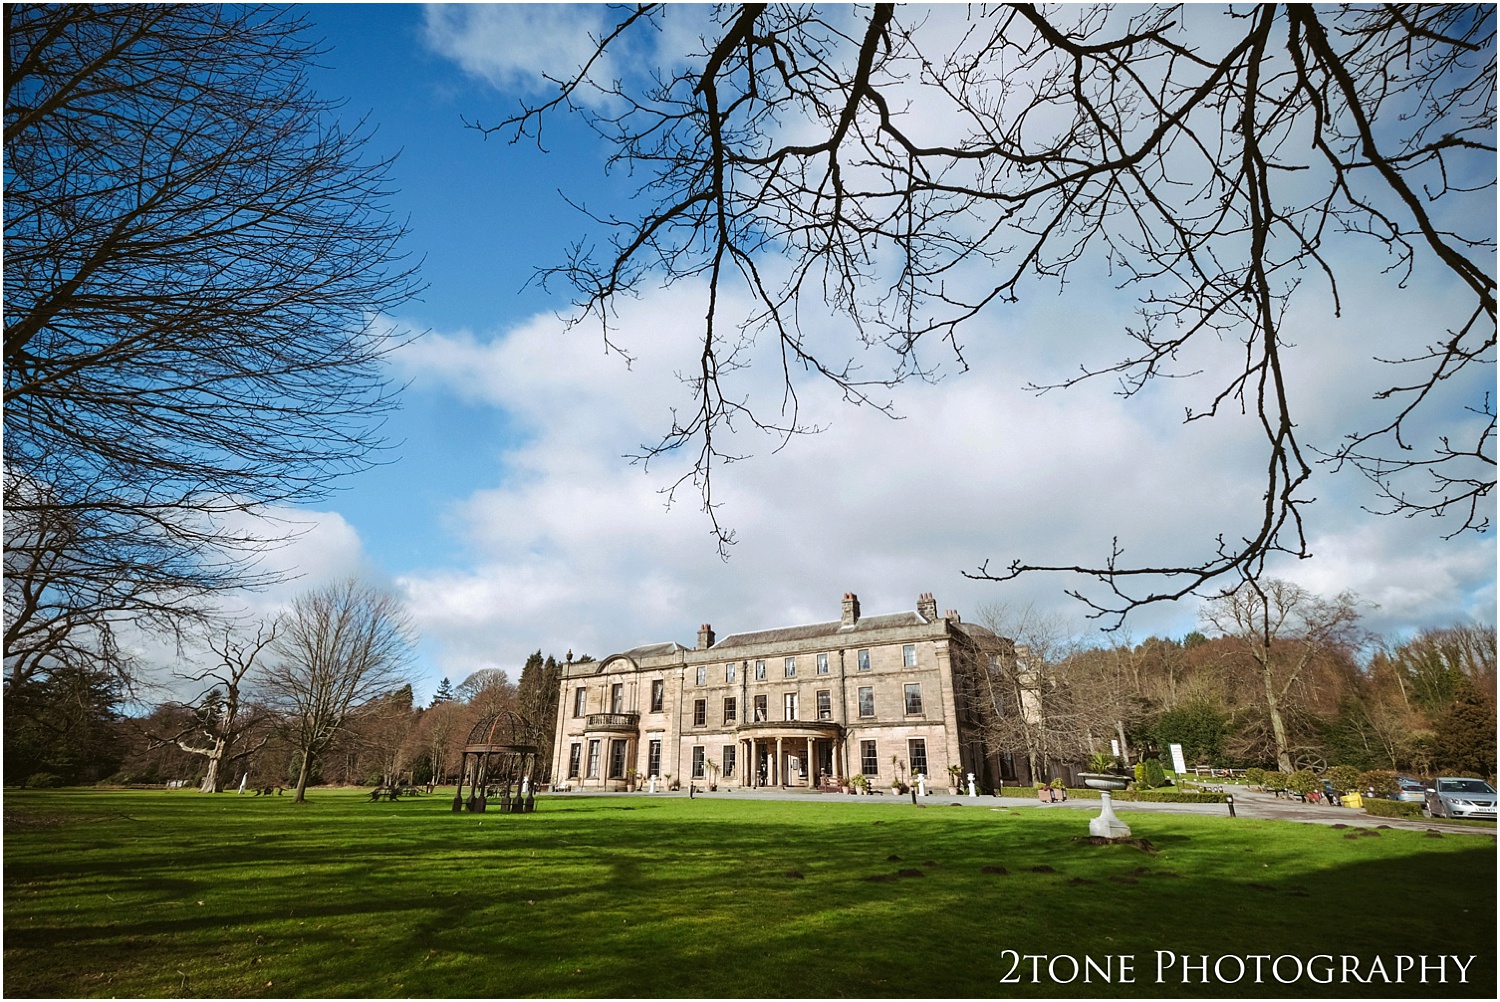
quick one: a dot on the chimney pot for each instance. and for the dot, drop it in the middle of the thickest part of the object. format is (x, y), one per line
(850, 612)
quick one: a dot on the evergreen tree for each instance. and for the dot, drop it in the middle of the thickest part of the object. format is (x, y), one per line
(1466, 734)
(444, 692)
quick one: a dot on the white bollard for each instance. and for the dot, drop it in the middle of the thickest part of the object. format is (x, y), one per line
(971, 786)
(653, 783)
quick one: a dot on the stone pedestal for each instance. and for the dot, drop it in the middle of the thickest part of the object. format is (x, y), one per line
(1107, 825)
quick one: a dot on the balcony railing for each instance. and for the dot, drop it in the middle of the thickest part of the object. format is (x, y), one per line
(614, 721)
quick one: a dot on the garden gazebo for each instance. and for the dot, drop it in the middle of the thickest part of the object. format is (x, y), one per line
(496, 767)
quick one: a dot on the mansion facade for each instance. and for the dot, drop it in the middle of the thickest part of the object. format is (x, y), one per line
(889, 696)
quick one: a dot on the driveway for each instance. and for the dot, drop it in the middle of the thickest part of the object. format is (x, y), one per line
(1247, 804)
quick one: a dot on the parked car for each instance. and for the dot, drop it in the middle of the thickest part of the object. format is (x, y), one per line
(1456, 797)
(1410, 790)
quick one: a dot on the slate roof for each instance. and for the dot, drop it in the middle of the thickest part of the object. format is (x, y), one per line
(816, 630)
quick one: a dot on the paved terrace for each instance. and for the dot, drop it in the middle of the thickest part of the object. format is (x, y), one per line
(1247, 804)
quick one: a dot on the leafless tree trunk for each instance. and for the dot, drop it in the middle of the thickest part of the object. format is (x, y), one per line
(1280, 628)
(222, 720)
(337, 648)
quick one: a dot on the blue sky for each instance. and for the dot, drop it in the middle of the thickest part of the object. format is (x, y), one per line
(509, 520)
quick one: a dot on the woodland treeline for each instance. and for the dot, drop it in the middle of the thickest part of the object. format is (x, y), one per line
(76, 733)
(1277, 677)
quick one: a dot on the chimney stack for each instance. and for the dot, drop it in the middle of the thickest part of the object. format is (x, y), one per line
(927, 606)
(952, 614)
(705, 637)
(851, 610)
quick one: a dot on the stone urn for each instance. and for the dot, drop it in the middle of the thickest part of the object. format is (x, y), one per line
(1104, 780)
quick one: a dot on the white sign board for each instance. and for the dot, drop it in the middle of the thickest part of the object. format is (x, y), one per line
(1178, 765)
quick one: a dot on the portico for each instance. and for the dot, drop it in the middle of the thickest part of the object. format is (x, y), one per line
(790, 752)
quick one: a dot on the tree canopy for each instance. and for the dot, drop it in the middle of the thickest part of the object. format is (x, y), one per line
(197, 255)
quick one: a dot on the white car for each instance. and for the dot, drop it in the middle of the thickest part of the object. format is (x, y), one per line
(1456, 797)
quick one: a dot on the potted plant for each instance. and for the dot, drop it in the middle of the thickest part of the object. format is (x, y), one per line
(860, 782)
(1103, 773)
(713, 774)
(630, 777)
(1043, 792)
(955, 779)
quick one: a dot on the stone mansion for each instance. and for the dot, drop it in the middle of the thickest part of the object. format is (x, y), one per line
(888, 696)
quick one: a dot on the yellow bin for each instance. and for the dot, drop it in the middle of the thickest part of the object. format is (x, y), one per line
(1353, 800)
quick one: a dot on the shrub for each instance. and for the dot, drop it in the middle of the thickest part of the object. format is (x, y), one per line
(1393, 809)
(44, 780)
(1382, 782)
(1303, 781)
(1344, 778)
(1152, 774)
(1273, 781)
(1255, 775)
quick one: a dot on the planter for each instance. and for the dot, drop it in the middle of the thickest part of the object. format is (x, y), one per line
(1044, 795)
(1103, 780)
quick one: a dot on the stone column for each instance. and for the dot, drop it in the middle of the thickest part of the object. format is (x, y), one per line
(811, 771)
(778, 767)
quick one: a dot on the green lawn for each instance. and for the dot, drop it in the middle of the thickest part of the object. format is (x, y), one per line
(146, 893)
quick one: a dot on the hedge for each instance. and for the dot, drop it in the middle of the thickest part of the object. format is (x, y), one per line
(1392, 808)
(1141, 796)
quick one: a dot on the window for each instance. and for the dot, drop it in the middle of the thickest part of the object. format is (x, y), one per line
(825, 704)
(866, 701)
(617, 759)
(728, 753)
(729, 673)
(617, 698)
(593, 772)
(869, 762)
(658, 691)
(653, 757)
(790, 667)
(730, 710)
(914, 699)
(700, 712)
(580, 701)
(916, 751)
(789, 706)
(864, 660)
(760, 671)
(575, 759)
(909, 655)
(703, 674)
(697, 761)
(760, 708)
(822, 664)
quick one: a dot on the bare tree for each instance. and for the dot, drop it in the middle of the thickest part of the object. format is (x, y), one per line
(337, 648)
(1280, 629)
(222, 716)
(442, 730)
(196, 259)
(911, 173)
(1028, 703)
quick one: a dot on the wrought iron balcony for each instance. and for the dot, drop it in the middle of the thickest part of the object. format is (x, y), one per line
(614, 722)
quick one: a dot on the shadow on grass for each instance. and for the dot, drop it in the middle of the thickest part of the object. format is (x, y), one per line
(213, 896)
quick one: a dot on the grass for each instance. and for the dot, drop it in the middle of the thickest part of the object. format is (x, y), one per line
(148, 893)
